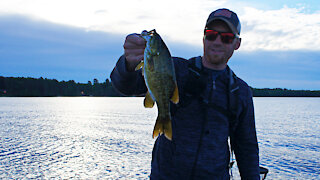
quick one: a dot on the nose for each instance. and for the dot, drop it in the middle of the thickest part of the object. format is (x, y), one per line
(218, 40)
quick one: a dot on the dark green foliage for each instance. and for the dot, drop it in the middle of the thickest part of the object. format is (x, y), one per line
(278, 92)
(31, 87)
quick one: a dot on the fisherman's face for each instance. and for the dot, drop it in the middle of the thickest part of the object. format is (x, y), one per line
(217, 53)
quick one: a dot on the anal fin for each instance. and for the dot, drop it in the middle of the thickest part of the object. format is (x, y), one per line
(175, 96)
(148, 101)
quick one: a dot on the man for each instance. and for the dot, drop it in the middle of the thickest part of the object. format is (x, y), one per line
(214, 104)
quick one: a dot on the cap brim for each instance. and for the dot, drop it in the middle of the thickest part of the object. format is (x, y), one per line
(231, 26)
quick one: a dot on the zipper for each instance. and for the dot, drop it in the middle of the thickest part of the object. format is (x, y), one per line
(214, 84)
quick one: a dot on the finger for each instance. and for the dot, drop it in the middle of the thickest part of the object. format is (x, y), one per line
(140, 57)
(130, 45)
(135, 58)
(133, 51)
(135, 39)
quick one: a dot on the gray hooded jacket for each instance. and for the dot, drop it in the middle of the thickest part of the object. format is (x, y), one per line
(199, 148)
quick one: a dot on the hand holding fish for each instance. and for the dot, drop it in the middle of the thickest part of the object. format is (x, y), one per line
(134, 46)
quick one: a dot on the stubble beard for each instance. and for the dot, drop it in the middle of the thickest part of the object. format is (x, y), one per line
(216, 60)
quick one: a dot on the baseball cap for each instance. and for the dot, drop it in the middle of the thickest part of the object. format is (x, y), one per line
(227, 16)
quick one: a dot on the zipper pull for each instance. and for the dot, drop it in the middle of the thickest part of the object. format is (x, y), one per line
(214, 85)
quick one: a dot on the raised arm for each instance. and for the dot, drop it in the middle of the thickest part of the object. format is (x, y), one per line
(124, 77)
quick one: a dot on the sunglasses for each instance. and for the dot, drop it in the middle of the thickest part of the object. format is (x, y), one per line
(212, 35)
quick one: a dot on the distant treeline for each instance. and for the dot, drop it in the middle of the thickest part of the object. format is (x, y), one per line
(31, 87)
(278, 92)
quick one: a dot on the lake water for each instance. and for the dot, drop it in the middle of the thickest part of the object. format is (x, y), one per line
(110, 138)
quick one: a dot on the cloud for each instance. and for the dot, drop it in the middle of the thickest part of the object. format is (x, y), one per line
(180, 20)
(33, 48)
(282, 29)
(37, 48)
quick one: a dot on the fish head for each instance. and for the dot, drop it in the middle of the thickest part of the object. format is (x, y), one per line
(154, 41)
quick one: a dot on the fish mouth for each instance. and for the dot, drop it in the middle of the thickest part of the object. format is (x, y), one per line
(152, 32)
(148, 33)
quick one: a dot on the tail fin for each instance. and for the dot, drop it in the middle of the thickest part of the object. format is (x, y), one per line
(163, 125)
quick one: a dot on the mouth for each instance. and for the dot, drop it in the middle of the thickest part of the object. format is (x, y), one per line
(217, 51)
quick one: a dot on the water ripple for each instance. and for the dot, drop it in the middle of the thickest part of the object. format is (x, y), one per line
(110, 138)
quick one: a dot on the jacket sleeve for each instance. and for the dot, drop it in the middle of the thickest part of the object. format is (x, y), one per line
(127, 83)
(246, 145)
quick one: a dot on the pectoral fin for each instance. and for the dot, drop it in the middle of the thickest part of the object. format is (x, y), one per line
(175, 96)
(139, 66)
(148, 101)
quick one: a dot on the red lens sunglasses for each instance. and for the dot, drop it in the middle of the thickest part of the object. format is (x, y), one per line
(212, 35)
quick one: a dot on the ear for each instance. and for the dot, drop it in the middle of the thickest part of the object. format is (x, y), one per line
(237, 44)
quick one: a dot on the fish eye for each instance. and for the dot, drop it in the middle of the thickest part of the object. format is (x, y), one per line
(152, 32)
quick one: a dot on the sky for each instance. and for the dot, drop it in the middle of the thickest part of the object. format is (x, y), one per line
(81, 40)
